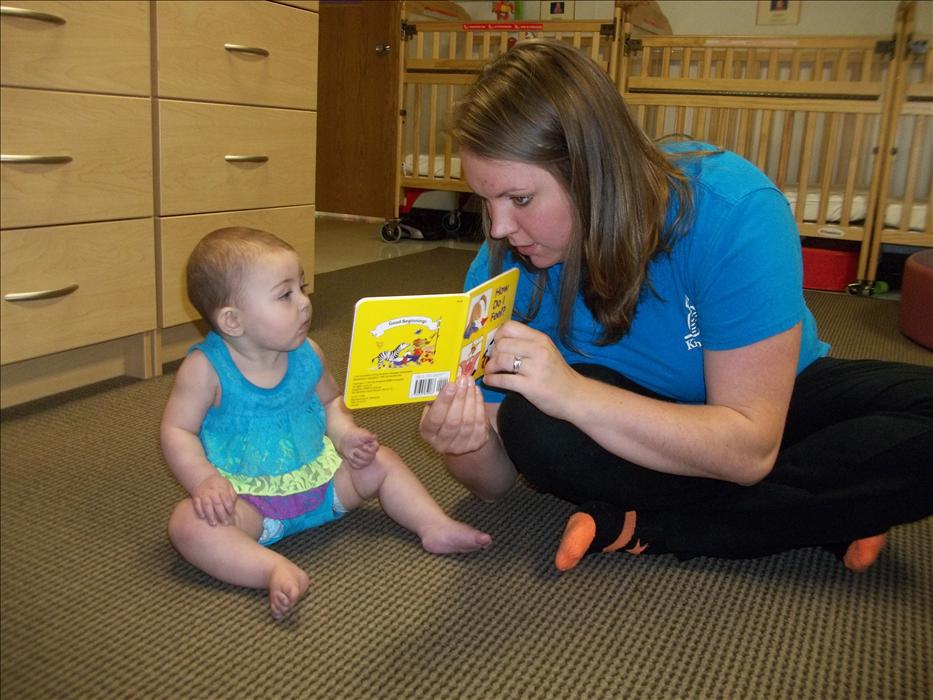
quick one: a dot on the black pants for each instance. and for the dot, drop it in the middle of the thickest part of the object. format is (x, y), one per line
(856, 459)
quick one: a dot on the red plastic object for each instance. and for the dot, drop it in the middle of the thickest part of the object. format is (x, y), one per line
(829, 268)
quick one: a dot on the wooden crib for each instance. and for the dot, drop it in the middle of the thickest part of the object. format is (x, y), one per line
(439, 60)
(840, 124)
(906, 184)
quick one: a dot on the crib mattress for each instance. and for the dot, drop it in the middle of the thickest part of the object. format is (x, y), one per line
(425, 169)
(858, 208)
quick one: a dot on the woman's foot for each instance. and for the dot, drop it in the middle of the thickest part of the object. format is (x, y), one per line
(576, 541)
(287, 585)
(454, 537)
(861, 554)
(596, 527)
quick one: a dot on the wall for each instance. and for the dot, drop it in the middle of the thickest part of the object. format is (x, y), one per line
(826, 17)
(737, 17)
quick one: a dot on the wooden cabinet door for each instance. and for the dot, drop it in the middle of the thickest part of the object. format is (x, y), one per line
(358, 108)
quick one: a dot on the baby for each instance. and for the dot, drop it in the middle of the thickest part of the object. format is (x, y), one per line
(256, 431)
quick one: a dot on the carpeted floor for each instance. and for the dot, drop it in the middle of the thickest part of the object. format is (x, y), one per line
(95, 603)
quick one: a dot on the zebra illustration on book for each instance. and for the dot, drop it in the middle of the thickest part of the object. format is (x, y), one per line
(390, 358)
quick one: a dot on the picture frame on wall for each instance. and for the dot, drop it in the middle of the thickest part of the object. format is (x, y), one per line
(778, 12)
(557, 10)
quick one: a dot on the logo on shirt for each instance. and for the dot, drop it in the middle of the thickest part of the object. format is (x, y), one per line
(692, 339)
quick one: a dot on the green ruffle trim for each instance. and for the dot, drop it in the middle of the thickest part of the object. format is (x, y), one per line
(306, 477)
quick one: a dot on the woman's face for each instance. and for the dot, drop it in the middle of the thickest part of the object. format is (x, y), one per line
(526, 205)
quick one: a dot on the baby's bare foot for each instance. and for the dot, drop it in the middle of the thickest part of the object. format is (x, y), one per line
(287, 585)
(454, 537)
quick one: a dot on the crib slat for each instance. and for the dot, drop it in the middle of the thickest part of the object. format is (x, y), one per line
(448, 142)
(416, 132)
(828, 149)
(784, 158)
(913, 166)
(680, 120)
(855, 158)
(761, 160)
(803, 175)
(432, 130)
(743, 133)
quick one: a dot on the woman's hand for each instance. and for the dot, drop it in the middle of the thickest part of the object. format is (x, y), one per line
(527, 361)
(455, 422)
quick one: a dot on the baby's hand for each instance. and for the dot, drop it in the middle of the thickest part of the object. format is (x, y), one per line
(359, 446)
(215, 500)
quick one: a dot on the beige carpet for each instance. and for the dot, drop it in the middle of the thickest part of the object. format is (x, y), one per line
(95, 603)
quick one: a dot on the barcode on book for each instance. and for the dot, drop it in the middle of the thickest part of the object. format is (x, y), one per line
(427, 384)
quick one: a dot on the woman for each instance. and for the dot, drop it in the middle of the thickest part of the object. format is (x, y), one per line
(664, 373)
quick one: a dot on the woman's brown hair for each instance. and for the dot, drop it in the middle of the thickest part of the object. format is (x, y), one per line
(546, 104)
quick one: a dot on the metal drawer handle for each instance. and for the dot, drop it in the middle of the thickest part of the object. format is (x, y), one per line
(44, 294)
(31, 14)
(240, 48)
(6, 158)
(245, 159)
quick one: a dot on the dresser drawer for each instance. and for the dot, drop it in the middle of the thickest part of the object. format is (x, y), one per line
(306, 4)
(178, 235)
(270, 56)
(200, 145)
(76, 45)
(112, 265)
(108, 141)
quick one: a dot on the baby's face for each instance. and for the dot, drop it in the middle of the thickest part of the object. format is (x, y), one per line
(274, 309)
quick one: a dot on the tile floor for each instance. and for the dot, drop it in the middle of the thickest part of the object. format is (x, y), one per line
(340, 243)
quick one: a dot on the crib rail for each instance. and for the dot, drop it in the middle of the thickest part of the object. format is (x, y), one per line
(907, 189)
(441, 59)
(805, 111)
(840, 124)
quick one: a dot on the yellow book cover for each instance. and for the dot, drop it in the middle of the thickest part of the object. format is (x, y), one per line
(404, 349)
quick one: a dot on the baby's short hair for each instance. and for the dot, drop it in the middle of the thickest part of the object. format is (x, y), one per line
(218, 262)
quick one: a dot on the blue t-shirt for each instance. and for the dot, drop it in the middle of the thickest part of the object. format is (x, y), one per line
(734, 278)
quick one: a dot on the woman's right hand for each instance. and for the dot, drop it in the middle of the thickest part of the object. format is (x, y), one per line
(455, 422)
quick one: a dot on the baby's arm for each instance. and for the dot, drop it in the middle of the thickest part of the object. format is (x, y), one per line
(196, 387)
(355, 444)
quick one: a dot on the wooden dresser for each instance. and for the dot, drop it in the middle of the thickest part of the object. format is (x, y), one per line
(77, 261)
(236, 104)
(129, 130)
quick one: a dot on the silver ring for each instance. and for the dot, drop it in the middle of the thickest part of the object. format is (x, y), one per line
(516, 364)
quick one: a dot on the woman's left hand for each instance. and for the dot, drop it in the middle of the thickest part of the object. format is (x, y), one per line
(527, 361)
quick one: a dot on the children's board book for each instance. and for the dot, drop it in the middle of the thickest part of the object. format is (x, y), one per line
(404, 349)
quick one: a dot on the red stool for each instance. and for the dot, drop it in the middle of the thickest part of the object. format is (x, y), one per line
(915, 316)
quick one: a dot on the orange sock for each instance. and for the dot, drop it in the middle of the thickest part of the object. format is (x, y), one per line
(625, 536)
(862, 553)
(576, 541)
(586, 532)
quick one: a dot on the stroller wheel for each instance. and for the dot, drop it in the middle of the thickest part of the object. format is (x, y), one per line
(451, 222)
(391, 232)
